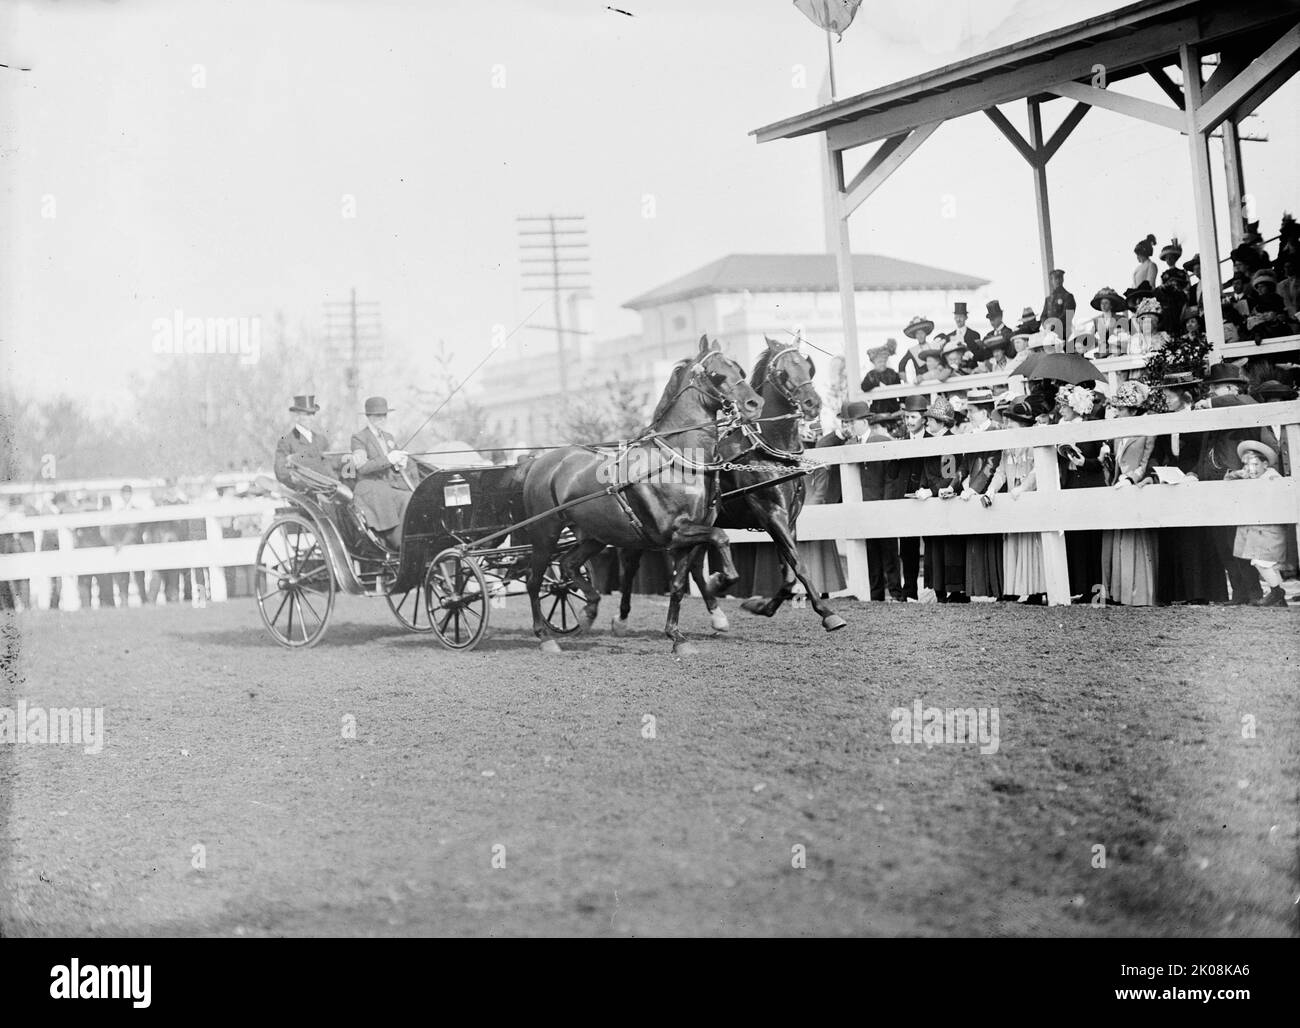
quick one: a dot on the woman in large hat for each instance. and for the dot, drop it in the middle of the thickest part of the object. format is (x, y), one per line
(983, 551)
(1023, 572)
(1111, 325)
(382, 490)
(1081, 468)
(1148, 338)
(1128, 555)
(935, 370)
(954, 350)
(912, 364)
(881, 374)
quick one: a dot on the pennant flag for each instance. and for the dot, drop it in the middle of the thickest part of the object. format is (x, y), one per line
(831, 15)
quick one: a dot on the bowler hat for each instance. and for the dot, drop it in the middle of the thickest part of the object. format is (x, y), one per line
(1222, 374)
(1273, 390)
(854, 410)
(376, 405)
(304, 404)
(916, 403)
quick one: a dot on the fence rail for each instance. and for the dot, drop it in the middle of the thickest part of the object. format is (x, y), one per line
(1051, 510)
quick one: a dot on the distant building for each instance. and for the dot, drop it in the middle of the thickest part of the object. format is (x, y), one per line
(738, 299)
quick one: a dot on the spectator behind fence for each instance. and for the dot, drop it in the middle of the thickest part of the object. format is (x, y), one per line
(1264, 546)
(1128, 555)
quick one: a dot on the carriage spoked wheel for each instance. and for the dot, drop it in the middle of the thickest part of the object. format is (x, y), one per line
(411, 608)
(295, 586)
(562, 601)
(457, 599)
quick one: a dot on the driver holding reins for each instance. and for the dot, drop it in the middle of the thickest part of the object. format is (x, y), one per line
(382, 491)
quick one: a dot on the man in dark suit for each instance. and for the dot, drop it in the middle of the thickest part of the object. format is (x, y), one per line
(851, 427)
(965, 335)
(303, 443)
(907, 479)
(879, 482)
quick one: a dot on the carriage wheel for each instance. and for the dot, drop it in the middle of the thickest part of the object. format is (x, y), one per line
(561, 599)
(457, 599)
(411, 608)
(295, 587)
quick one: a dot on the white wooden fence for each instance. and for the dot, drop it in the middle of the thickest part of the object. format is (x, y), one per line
(1050, 510)
(212, 553)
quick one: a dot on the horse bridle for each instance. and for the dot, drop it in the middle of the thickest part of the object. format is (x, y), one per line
(782, 387)
(700, 378)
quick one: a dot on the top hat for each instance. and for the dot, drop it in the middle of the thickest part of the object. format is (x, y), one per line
(959, 307)
(916, 403)
(993, 307)
(304, 404)
(854, 410)
(377, 405)
(1107, 293)
(1221, 374)
(918, 324)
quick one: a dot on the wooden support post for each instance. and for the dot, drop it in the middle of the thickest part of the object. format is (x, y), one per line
(859, 571)
(1203, 201)
(40, 587)
(1055, 565)
(1046, 255)
(69, 596)
(1232, 175)
(1292, 435)
(216, 573)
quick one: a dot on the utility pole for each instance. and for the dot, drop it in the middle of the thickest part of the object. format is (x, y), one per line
(561, 272)
(352, 331)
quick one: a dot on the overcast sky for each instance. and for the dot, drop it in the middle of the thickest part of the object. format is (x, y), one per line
(196, 156)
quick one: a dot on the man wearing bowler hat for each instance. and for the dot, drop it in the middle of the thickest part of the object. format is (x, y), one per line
(383, 490)
(304, 443)
(907, 479)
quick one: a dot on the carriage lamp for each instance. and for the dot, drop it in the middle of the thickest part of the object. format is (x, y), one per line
(456, 492)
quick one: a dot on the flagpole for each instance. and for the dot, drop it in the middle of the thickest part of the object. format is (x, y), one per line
(830, 59)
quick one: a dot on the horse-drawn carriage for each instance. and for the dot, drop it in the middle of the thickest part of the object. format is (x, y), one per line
(445, 579)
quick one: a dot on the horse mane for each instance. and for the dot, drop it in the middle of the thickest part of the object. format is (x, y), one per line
(670, 391)
(759, 375)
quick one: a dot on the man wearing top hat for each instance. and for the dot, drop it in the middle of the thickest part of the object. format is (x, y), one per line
(968, 337)
(383, 490)
(1059, 303)
(998, 329)
(304, 443)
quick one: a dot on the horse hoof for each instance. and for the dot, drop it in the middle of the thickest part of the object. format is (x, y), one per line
(551, 646)
(617, 627)
(685, 649)
(831, 622)
(719, 620)
(756, 605)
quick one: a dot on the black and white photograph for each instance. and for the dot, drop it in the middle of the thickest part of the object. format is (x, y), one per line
(512, 470)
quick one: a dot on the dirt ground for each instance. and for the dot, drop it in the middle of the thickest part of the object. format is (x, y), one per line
(1170, 737)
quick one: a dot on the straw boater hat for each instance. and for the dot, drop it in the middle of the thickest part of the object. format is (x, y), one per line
(996, 341)
(1263, 449)
(1107, 293)
(304, 404)
(1172, 249)
(889, 349)
(1179, 380)
(1131, 394)
(918, 324)
(979, 397)
(941, 410)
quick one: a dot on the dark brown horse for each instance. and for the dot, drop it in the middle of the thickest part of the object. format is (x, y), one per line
(670, 503)
(783, 376)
